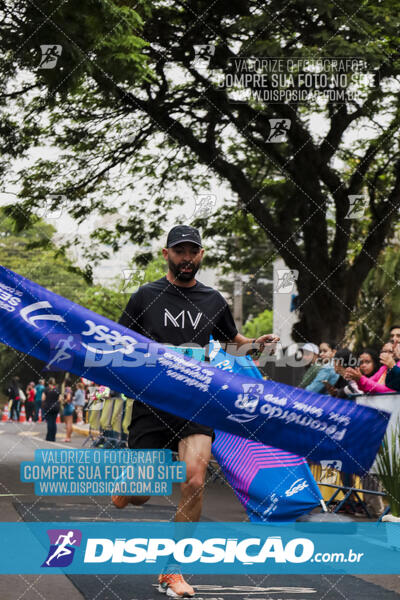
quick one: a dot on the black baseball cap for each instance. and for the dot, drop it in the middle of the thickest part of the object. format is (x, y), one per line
(183, 233)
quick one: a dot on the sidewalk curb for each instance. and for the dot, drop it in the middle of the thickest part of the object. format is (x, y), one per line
(85, 432)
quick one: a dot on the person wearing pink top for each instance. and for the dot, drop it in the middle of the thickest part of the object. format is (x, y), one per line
(376, 383)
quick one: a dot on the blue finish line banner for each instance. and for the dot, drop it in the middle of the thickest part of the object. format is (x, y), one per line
(250, 548)
(69, 337)
(273, 485)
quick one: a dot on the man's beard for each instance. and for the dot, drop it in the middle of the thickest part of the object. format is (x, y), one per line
(183, 275)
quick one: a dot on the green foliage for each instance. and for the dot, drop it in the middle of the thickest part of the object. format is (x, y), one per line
(259, 325)
(155, 269)
(388, 468)
(31, 253)
(378, 306)
(104, 301)
(99, 39)
(127, 110)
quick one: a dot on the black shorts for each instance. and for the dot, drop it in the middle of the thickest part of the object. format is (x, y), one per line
(153, 428)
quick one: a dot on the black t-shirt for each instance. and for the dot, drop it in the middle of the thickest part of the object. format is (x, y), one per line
(175, 315)
(51, 404)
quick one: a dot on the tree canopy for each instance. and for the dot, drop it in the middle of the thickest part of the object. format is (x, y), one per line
(141, 99)
(32, 254)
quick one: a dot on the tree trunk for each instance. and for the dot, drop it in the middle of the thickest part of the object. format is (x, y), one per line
(323, 316)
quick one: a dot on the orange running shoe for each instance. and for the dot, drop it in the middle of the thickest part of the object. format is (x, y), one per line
(121, 501)
(174, 586)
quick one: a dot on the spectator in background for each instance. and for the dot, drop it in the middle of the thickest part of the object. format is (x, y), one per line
(79, 401)
(327, 372)
(68, 411)
(50, 409)
(393, 367)
(30, 402)
(368, 362)
(13, 393)
(343, 388)
(39, 389)
(310, 355)
(395, 335)
(376, 384)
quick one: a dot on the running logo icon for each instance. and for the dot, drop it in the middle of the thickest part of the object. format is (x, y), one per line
(278, 130)
(50, 55)
(63, 543)
(60, 345)
(286, 280)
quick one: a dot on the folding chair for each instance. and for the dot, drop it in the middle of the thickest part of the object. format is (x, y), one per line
(126, 421)
(116, 422)
(94, 409)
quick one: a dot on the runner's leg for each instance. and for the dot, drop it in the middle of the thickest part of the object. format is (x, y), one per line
(195, 451)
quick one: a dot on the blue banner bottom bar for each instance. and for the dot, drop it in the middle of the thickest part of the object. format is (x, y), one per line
(213, 548)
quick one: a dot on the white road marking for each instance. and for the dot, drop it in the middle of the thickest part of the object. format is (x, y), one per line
(239, 590)
(3, 495)
(253, 589)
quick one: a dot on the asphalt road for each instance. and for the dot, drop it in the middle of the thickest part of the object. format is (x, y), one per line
(18, 502)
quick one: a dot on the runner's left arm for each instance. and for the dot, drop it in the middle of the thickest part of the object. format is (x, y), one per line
(225, 330)
(260, 342)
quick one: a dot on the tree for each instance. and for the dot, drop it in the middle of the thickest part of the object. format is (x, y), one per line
(259, 325)
(131, 102)
(32, 254)
(378, 305)
(256, 295)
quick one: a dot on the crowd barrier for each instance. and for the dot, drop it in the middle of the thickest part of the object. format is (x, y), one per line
(389, 403)
(337, 488)
(110, 418)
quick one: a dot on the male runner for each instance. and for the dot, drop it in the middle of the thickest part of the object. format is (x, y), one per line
(177, 309)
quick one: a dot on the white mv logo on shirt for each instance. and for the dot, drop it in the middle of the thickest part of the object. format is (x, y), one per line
(179, 320)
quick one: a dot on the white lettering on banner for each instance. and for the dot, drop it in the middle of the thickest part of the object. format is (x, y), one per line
(9, 298)
(112, 337)
(250, 403)
(181, 316)
(296, 487)
(272, 507)
(341, 419)
(26, 312)
(186, 371)
(314, 410)
(274, 412)
(7, 307)
(225, 365)
(12, 291)
(191, 550)
(275, 399)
